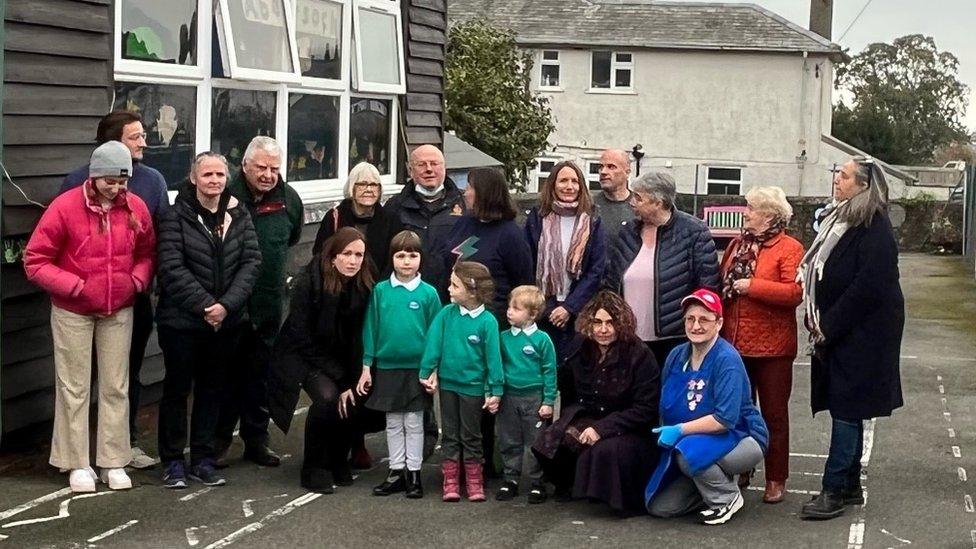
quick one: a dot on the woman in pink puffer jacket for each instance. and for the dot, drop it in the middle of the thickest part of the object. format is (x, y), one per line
(92, 250)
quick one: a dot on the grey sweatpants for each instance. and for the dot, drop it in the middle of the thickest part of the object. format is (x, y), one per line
(461, 425)
(518, 426)
(715, 486)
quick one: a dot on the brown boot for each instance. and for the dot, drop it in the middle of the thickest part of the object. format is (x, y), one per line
(774, 491)
(473, 480)
(451, 471)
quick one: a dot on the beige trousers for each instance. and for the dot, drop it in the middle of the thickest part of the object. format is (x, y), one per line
(73, 335)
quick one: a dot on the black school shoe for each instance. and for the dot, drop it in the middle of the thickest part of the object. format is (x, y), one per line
(538, 493)
(507, 491)
(395, 482)
(318, 481)
(823, 506)
(262, 455)
(415, 489)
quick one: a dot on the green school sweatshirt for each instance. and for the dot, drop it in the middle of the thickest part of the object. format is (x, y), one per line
(529, 361)
(396, 324)
(464, 352)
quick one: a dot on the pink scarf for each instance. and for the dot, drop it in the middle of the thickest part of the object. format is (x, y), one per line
(93, 201)
(552, 262)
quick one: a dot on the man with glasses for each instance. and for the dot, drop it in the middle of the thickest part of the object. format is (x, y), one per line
(429, 205)
(149, 185)
(278, 216)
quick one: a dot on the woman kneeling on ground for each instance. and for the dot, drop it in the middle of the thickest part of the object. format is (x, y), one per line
(710, 429)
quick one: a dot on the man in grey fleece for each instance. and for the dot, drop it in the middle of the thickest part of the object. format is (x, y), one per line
(613, 200)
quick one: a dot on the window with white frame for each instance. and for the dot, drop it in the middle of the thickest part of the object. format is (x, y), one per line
(593, 175)
(611, 70)
(549, 69)
(543, 166)
(213, 74)
(724, 180)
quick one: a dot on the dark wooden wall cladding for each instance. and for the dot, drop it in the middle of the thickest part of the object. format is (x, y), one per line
(57, 83)
(425, 33)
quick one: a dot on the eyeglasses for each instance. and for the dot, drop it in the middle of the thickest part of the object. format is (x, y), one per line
(428, 164)
(366, 185)
(702, 321)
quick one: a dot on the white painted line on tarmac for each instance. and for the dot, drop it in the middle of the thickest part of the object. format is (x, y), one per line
(945, 404)
(968, 501)
(273, 515)
(941, 389)
(962, 474)
(938, 378)
(4, 515)
(113, 531)
(798, 454)
(246, 504)
(806, 474)
(903, 541)
(3, 537)
(972, 535)
(956, 452)
(868, 442)
(947, 416)
(952, 432)
(788, 490)
(855, 538)
(62, 510)
(198, 493)
(191, 535)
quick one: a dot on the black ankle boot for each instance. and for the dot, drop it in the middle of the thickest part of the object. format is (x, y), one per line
(317, 480)
(414, 489)
(394, 483)
(823, 506)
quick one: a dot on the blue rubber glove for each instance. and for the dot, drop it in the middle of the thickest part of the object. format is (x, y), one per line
(668, 435)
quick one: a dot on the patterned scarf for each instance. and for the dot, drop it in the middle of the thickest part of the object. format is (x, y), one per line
(745, 254)
(552, 262)
(93, 201)
(811, 268)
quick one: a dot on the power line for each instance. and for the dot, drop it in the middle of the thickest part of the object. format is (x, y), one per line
(856, 17)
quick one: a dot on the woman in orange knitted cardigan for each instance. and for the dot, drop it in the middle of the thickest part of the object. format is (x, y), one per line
(761, 294)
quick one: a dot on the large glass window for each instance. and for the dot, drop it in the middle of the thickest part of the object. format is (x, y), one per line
(319, 38)
(313, 132)
(257, 39)
(611, 70)
(169, 118)
(237, 116)
(163, 32)
(379, 47)
(549, 69)
(369, 133)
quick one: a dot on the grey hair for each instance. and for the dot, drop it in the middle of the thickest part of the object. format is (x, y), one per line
(264, 143)
(198, 159)
(772, 201)
(359, 172)
(659, 185)
(860, 209)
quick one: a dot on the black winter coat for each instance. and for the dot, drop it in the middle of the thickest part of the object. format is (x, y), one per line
(195, 271)
(432, 221)
(380, 229)
(862, 317)
(685, 261)
(322, 332)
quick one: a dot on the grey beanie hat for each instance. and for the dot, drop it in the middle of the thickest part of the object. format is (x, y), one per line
(110, 159)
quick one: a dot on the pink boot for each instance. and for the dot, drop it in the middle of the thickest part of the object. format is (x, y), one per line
(474, 481)
(451, 471)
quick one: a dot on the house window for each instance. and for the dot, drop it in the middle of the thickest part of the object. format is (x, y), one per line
(543, 167)
(726, 181)
(593, 175)
(169, 118)
(379, 47)
(213, 74)
(611, 70)
(549, 69)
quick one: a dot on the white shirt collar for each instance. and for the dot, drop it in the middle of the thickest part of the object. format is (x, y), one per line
(529, 330)
(473, 313)
(410, 286)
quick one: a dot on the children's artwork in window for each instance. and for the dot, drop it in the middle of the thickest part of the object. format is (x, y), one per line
(163, 32)
(237, 117)
(313, 128)
(369, 133)
(319, 37)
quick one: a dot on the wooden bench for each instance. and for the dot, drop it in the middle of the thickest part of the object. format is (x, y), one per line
(724, 221)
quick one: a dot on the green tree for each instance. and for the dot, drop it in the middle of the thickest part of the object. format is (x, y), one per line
(487, 97)
(906, 100)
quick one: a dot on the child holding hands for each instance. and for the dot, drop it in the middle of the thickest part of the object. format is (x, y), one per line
(529, 362)
(400, 312)
(462, 356)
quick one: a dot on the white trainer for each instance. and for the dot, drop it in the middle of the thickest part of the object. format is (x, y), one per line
(81, 480)
(116, 479)
(142, 460)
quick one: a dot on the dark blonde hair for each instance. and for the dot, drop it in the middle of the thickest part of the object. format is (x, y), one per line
(476, 279)
(624, 321)
(332, 279)
(530, 298)
(548, 194)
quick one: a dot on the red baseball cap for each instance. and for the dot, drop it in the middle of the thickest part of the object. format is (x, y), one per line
(706, 298)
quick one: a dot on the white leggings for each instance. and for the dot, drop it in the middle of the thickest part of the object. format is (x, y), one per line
(405, 439)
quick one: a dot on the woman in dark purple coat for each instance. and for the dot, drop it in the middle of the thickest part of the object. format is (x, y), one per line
(602, 448)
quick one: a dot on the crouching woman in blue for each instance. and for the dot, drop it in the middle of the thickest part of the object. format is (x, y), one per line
(710, 428)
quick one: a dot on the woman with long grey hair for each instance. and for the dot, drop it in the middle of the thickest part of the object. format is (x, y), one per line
(855, 314)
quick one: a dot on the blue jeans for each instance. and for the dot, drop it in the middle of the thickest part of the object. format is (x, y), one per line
(842, 472)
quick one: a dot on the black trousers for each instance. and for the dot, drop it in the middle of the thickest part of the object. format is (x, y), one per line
(247, 396)
(195, 361)
(142, 326)
(329, 437)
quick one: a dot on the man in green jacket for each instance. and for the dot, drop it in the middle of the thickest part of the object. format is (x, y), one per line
(278, 214)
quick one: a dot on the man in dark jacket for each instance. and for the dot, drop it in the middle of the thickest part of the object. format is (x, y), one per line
(149, 185)
(278, 215)
(429, 205)
(683, 260)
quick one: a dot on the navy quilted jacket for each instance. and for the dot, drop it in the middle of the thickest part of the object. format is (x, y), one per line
(685, 261)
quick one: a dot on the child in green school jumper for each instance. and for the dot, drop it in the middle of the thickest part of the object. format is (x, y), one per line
(529, 361)
(400, 312)
(462, 357)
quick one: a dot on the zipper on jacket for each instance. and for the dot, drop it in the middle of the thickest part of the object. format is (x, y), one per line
(111, 255)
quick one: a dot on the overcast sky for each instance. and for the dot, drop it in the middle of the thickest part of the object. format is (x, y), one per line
(952, 23)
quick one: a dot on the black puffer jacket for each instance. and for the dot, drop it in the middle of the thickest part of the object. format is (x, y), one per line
(195, 271)
(381, 227)
(685, 260)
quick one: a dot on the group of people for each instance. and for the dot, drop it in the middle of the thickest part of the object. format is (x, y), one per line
(602, 343)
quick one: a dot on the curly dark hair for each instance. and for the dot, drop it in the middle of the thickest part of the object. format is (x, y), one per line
(476, 278)
(624, 321)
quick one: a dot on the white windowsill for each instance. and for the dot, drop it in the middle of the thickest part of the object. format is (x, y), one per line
(548, 89)
(611, 91)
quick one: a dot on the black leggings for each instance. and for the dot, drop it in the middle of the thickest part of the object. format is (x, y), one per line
(328, 437)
